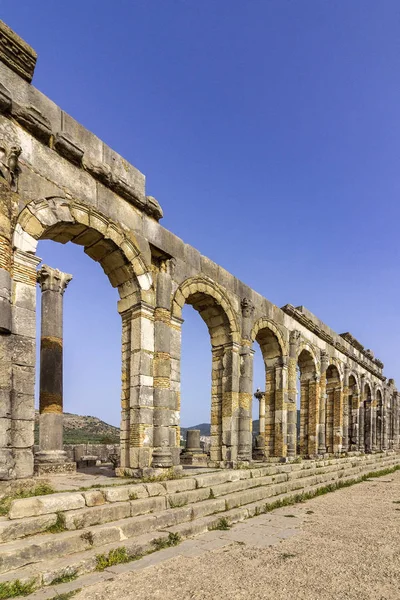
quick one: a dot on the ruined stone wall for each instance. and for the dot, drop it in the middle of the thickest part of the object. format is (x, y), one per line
(59, 181)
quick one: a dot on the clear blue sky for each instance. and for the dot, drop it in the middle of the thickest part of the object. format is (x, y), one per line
(268, 130)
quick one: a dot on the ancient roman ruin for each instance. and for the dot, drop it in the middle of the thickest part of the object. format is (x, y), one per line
(59, 181)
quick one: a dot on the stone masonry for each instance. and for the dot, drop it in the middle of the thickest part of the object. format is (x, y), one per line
(58, 181)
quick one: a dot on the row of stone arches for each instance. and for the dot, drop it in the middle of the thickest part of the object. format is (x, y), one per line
(334, 414)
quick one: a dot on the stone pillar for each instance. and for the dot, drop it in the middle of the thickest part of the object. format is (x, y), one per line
(374, 425)
(51, 457)
(346, 410)
(164, 415)
(368, 425)
(396, 421)
(313, 415)
(259, 450)
(292, 393)
(322, 405)
(230, 402)
(7, 462)
(246, 355)
(281, 377)
(385, 421)
(337, 419)
(193, 453)
(361, 425)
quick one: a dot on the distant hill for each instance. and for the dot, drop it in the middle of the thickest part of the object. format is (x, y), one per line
(84, 429)
(205, 427)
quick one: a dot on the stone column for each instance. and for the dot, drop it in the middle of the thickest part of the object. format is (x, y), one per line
(246, 354)
(163, 415)
(374, 425)
(322, 405)
(337, 419)
(280, 420)
(384, 417)
(361, 425)
(313, 415)
(396, 421)
(259, 451)
(51, 456)
(292, 393)
(368, 425)
(346, 410)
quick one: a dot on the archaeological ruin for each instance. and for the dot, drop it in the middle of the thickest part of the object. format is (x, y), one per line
(58, 181)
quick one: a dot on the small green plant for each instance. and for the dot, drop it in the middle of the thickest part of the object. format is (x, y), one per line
(65, 577)
(211, 496)
(222, 524)
(41, 489)
(173, 539)
(133, 496)
(114, 557)
(290, 516)
(58, 526)
(396, 501)
(12, 589)
(309, 512)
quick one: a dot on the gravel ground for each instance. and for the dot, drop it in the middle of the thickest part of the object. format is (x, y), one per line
(347, 547)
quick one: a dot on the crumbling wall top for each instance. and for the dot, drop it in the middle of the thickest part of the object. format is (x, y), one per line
(16, 53)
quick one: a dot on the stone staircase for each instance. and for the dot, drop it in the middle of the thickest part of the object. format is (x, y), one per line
(45, 538)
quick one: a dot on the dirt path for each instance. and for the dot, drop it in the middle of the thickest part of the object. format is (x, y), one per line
(342, 546)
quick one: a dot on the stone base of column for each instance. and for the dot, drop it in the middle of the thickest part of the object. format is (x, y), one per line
(194, 458)
(162, 457)
(53, 462)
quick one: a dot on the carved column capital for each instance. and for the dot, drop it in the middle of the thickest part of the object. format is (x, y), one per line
(53, 279)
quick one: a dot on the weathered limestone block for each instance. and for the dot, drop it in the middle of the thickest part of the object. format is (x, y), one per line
(93, 498)
(86, 517)
(147, 505)
(41, 505)
(12, 530)
(155, 489)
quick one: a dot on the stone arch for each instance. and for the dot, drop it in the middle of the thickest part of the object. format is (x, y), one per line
(334, 407)
(262, 324)
(309, 400)
(272, 346)
(117, 250)
(214, 306)
(211, 301)
(106, 242)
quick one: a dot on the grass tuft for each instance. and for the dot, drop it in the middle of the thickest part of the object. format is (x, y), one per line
(222, 525)
(12, 589)
(65, 577)
(58, 526)
(66, 595)
(173, 539)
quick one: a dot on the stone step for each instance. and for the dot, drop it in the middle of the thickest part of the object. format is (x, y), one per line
(137, 534)
(111, 504)
(43, 547)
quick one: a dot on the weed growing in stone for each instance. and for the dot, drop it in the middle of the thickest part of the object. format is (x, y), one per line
(12, 589)
(290, 516)
(114, 557)
(88, 537)
(173, 539)
(177, 503)
(58, 526)
(42, 489)
(222, 525)
(65, 577)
